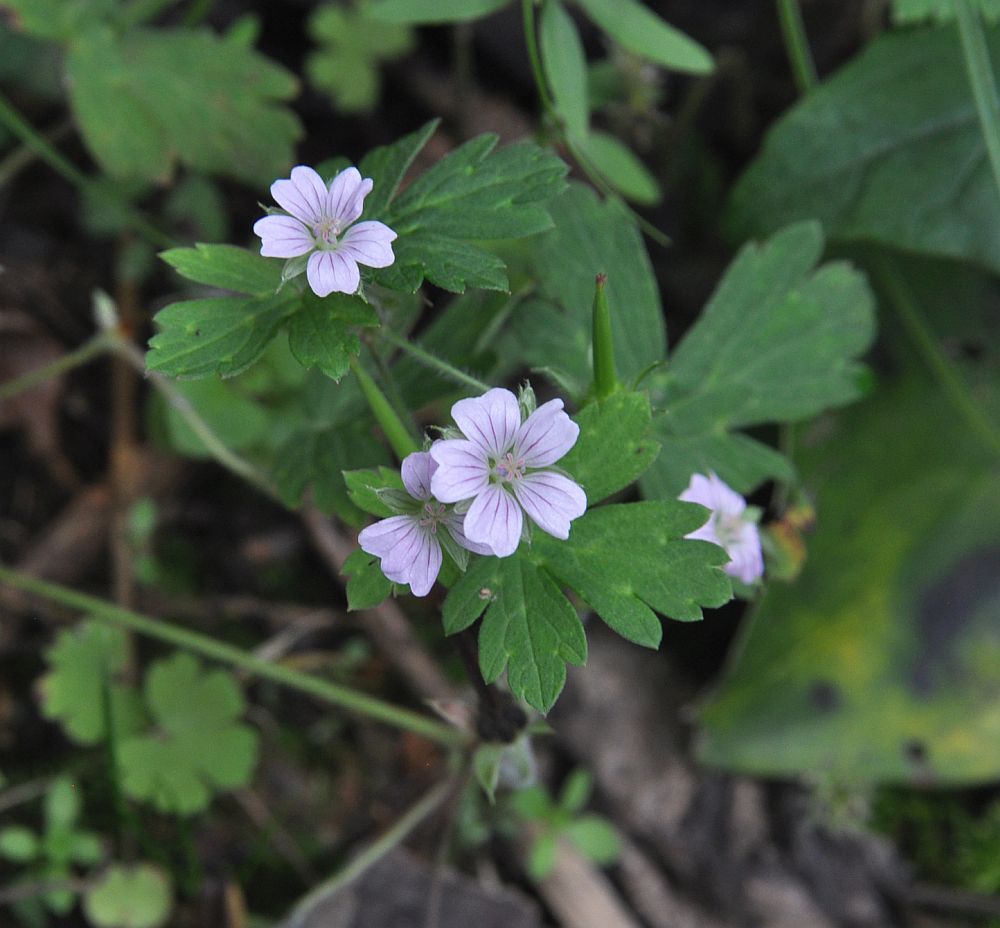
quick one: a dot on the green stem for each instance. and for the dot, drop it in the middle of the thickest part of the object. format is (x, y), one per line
(34, 140)
(372, 854)
(96, 345)
(433, 361)
(213, 444)
(605, 375)
(531, 41)
(333, 693)
(984, 88)
(793, 31)
(396, 433)
(904, 304)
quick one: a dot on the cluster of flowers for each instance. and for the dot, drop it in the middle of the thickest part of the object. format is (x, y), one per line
(475, 491)
(470, 493)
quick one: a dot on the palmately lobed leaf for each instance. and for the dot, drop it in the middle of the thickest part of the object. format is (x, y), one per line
(778, 341)
(201, 747)
(226, 267)
(147, 99)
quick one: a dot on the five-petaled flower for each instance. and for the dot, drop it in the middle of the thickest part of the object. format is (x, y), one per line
(409, 545)
(320, 223)
(728, 526)
(502, 466)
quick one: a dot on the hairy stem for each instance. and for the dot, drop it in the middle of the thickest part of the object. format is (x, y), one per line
(433, 361)
(341, 696)
(396, 433)
(904, 304)
(793, 31)
(984, 88)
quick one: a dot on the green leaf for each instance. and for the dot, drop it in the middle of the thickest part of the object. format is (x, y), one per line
(57, 19)
(146, 99)
(430, 12)
(542, 857)
(777, 342)
(565, 67)
(352, 46)
(486, 763)
(137, 896)
(530, 629)
(219, 335)
(627, 560)
(388, 164)
(614, 447)
(367, 586)
(639, 30)
(200, 747)
(595, 838)
(82, 663)
(881, 662)
(910, 11)
(18, 844)
(533, 804)
(319, 333)
(363, 487)
(590, 237)
(475, 192)
(576, 791)
(227, 267)
(62, 806)
(914, 177)
(620, 167)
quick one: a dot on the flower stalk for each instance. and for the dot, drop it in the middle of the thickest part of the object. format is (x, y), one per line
(396, 433)
(605, 375)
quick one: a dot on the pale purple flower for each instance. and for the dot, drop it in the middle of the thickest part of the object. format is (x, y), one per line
(320, 221)
(728, 526)
(409, 545)
(502, 465)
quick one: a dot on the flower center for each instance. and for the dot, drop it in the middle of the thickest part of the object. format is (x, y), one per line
(431, 515)
(728, 528)
(509, 468)
(325, 232)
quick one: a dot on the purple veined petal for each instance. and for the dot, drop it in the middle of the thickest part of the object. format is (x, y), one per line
(282, 237)
(490, 420)
(546, 435)
(462, 470)
(345, 199)
(303, 195)
(330, 271)
(425, 565)
(551, 501)
(369, 243)
(381, 537)
(397, 560)
(495, 519)
(454, 523)
(417, 470)
(706, 532)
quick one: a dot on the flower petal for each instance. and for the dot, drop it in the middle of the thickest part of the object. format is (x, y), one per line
(546, 435)
(417, 469)
(282, 237)
(381, 537)
(490, 420)
(495, 519)
(455, 525)
(462, 470)
(551, 500)
(425, 565)
(714, 493)
(346, 197)
(369, 243)
(746, 557)
(330, 271)
(303, 195)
